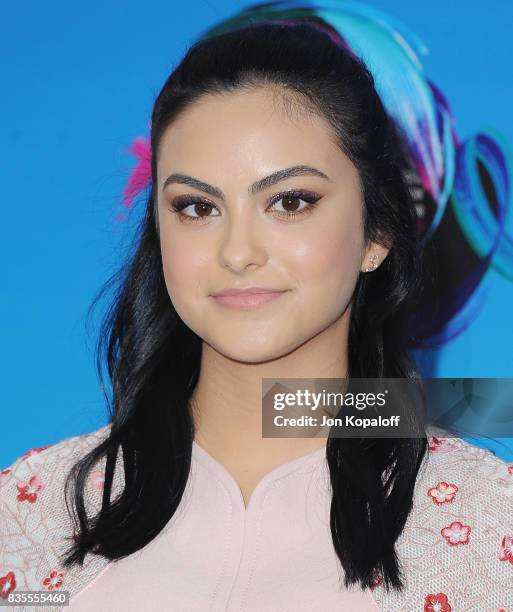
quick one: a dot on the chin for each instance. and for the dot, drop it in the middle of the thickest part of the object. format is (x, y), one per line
(248, 352)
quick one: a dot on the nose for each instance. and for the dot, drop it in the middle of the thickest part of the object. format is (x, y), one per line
(242, 243)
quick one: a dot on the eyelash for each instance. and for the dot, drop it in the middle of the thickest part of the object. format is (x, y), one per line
(183, 202)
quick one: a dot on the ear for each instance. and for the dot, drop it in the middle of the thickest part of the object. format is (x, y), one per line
(375, 253)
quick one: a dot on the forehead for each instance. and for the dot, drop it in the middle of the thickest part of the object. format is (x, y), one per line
(247, 131)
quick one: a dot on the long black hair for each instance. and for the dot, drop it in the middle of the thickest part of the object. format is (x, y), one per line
(153, 358)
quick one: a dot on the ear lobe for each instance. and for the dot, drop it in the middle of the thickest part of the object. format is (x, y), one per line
(377, 255)
(373, 263)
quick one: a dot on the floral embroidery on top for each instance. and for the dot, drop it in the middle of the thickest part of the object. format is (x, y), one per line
(441, 444)
(456, 533)
(443, 493)
(437, 603)
(29, 491)
(506, 553)
(54, 580)
(7, 584)
(377, 581)
(493, 480)
(97, 479)
(34, 451)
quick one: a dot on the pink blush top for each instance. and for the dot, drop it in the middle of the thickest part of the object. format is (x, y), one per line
(216, 554)
(455, 552)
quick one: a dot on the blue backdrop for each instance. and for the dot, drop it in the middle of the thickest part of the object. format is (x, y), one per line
(78, 85)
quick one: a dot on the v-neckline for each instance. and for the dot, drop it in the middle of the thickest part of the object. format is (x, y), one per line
(289, 467)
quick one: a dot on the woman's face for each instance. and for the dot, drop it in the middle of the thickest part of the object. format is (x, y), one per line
(235, 236)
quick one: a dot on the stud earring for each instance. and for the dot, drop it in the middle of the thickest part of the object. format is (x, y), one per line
(374, 258)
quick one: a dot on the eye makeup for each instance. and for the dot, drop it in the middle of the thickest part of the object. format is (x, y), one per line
(180, 203)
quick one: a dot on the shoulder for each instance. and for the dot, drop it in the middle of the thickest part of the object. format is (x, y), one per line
(457, 546)
(468, 477)
(34, 519)
(40, 468)
(68, 448)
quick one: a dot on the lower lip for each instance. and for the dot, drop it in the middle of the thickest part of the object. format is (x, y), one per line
(247, 300)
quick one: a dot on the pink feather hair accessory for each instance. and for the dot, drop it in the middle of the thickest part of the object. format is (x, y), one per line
(140, 176)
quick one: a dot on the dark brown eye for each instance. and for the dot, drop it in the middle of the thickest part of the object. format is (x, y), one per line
(291, 203)
(202, 207)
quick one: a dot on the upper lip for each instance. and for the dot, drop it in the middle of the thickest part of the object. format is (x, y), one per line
(239, 291)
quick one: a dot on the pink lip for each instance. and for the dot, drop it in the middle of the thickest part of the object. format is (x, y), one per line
(247, 298)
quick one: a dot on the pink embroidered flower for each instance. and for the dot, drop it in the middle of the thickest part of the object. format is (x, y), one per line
(53, 580)
(443, 493)
(7, 584)
(433, 443)
(510, 469)
(34, 451)
(456, 533)
(29, 491)
(96, 479)
(6, 471)
(377, 581)
(442, 445)
(506, 553)
(437, 603)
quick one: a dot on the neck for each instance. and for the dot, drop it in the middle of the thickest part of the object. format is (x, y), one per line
(227, 401)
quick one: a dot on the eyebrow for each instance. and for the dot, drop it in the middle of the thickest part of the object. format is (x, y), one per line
(257, 186)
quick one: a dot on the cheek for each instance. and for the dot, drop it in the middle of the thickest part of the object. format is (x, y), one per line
(328, 263)
(184, 268)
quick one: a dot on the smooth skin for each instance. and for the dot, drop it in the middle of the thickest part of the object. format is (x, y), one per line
(230, 141)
